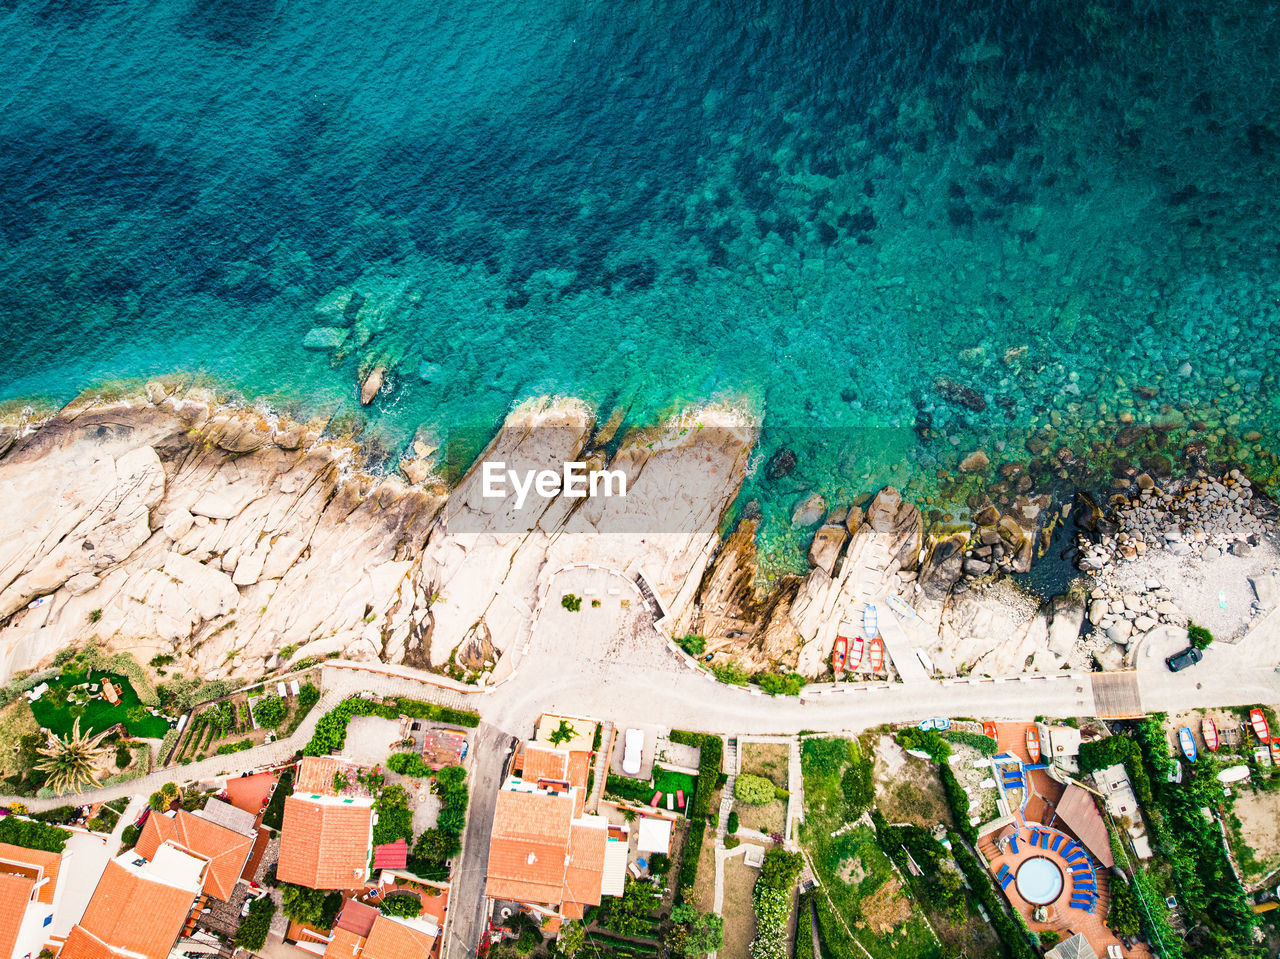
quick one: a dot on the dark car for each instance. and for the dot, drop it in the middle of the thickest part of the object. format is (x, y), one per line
(1188, 657)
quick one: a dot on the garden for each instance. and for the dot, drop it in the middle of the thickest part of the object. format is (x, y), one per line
(863, 905)
(235, 724)
(81, 694)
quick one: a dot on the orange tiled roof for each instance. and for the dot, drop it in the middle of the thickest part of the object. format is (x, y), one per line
(82, 945)
(397, 940)
(324, 845)
(49, 864)
(579, 764)
(315, 775)
(544, 762)
(130, 913)
(357, 917)
(585, 871)
(537, 853)
(345, 944)
(15, 896)
(225, 848)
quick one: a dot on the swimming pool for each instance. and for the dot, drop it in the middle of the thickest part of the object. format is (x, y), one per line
(1039, 881)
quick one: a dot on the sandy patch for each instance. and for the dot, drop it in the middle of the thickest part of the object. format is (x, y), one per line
(852, 871)
(768, 760)
(886, 908)
(739, 911)
(1259, 815)
(907, 789)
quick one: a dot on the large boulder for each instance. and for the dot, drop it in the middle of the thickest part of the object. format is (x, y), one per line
(889, 514)
(826, 546)
(809, 511)
(942, 567)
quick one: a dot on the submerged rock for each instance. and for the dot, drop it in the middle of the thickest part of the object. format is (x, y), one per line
(780, 464)
(372, 385)
(809, 511)
(324, 338)
(975, 462)
(960, 395)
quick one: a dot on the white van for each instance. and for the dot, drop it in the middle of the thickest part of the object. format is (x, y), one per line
(632, 749)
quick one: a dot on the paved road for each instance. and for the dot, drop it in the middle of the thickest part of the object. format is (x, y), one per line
(491, 748)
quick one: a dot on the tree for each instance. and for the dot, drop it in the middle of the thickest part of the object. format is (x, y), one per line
(562, 734)
(157, 802)
(695, 934)
(170, 791)
(312, 907)
(252, 934)
(395, 821)
(628, 914)
(436, 846)
(571, 603)
(71, 762)
(572, 936)
(693, 644)
(753, 790)
(408, 764)
(403, 905)
(1123, 916)
(270, 711)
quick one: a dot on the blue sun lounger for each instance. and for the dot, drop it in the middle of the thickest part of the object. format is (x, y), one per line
(1057, 841)
(1085, 887)
(1085, 904)
(1013, 843)
(1004, 883)
(1044, 840)
(1070, 849)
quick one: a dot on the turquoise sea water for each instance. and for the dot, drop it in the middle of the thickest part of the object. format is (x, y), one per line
(819, 209)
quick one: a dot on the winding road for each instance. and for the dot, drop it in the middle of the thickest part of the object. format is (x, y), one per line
(611, 662)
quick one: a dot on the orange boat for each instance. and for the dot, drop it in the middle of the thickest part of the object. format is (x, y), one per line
(877, 655)
(1275, 753)
(1259, 723)
(1209, 730)
(839, 656)
(1033, 744)
(989, 730)
(855, 656)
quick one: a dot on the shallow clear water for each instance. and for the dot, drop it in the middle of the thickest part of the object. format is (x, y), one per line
(815, 208)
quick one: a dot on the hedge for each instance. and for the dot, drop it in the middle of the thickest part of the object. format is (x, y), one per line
(331, 729)
(30, 834)
(689, 857)
(273, 818)
(957, 802)
(1008, 930)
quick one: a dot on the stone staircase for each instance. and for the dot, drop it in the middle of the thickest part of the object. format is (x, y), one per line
(795, 783)
(601, 766)
(726, 796)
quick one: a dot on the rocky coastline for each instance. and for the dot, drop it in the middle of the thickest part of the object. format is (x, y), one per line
(237, 543)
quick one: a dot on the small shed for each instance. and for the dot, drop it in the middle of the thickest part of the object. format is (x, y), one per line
(654, 835)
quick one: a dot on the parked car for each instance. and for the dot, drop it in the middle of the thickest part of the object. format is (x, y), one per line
(633, 746)
(1180, 661)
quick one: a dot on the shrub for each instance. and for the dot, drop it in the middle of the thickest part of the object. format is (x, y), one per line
(732, 824)
(571, 603)
(780, 684)
(252, 934)
(395, 821)
(1122, 916)
(1198, 636)
(693, 644)
(270, 711)
(238, 746)
(123, 756)
(403, 905)
(308, 696)
(732, 842)
(979, 741)
(273, 818)
(730, 673)
(408, 764)
(925, 740)
(754, 790)
(314, 907)
(129, 835)
(772, 896)
(32, 835)
(689, 856)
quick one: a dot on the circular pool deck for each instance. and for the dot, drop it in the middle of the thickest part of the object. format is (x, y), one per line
(1039, 881)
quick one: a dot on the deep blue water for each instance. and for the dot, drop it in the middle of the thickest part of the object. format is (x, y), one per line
(819, 209)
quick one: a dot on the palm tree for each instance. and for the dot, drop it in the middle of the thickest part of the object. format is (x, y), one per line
(71, 761)
(562, 734)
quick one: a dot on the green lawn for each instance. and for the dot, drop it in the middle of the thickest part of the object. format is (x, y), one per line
(854, 871)
(668, 782)
(52, 711)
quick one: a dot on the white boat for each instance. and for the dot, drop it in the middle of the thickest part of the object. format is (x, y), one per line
(900, 606)
(870, 624)
(1233, 774)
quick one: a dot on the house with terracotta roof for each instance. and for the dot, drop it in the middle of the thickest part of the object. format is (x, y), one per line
(140, 907)
(545, 852)
(326, 838)
(225, 850)
(28, 886)
(362, 932)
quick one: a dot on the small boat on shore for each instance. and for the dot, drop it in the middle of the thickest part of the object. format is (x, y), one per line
(989, 729)
(1187, 743)
(1275, 752)
(1209, 730)
(839, 656)
(1259, 723)
(876, 653)
(900, 606)
(1033, 744)
(857, 653)
(870, 622)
